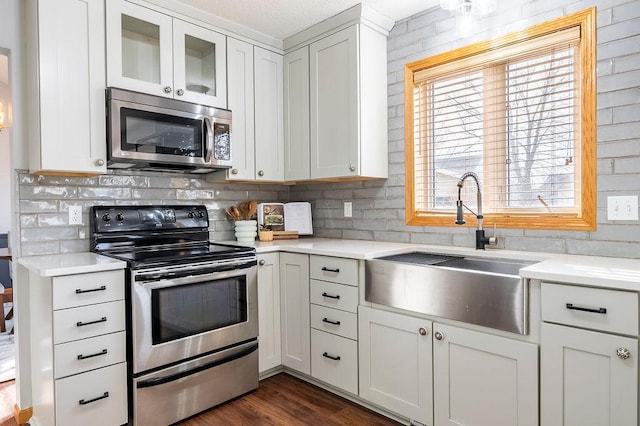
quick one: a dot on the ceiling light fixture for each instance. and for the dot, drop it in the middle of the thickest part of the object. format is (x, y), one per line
(466, 10)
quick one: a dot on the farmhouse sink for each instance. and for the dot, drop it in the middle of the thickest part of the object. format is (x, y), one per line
(487, 292)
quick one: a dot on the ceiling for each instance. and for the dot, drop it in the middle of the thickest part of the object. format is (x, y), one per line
(283, 18)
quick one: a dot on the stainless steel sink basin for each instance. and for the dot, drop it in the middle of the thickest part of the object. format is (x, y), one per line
(487, 292)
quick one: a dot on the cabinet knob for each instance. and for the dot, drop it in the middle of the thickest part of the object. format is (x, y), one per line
(234, 171)
(167, 89)
(623, 353)
(352, 167)
(179, 92)
(438, 335)
(261, 262)
(423, 331)
(261, 173)
(99, 162)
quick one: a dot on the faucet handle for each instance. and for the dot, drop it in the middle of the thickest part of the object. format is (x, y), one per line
(494, 239)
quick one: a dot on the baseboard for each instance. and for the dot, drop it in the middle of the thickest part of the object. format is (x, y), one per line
(22, 416)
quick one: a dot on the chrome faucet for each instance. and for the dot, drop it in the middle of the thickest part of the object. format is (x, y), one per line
(481, 239)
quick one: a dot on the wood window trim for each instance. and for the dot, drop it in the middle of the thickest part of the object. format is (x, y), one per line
(586, 219)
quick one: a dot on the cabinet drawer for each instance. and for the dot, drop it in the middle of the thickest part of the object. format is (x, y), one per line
(87, 321)
(325, 319)
(89, 354)
(335, 269)
(598, 309)
(86, 289)
(333, 295)
(98, 397)
(342, 371)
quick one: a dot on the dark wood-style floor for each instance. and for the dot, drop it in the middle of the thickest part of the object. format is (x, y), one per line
(285, 400)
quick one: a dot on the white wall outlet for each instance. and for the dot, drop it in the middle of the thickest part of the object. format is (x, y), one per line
(75, 215)
(348, 209)
(622, 208)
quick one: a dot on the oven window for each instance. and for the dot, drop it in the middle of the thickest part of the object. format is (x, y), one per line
(153, 133)
(191, 309)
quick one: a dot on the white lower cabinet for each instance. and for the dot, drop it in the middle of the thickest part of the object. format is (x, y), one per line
(270, 352)
(584, 382)
(334, 360)
(483, 380)
(457, 377)
(588, 375)
(294, 312)
(395, 363)
(78, 348)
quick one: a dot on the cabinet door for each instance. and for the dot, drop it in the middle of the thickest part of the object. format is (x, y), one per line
(296, 114)
(483, 380)
(241, 103)
(583, 381)
(71, 64)
(395, 363)
(139, 42)
(269, 130)
(269, 311)
(294, 312)
(199, 65)
(334, 105)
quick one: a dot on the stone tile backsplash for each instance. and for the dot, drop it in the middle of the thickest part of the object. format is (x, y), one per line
(44, 203)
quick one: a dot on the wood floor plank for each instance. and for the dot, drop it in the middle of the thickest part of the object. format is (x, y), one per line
(286, 400)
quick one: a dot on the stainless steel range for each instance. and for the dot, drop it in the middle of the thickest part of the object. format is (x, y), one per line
(192, 315)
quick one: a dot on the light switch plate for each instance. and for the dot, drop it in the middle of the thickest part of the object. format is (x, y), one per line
(348, 209)
(622, 207)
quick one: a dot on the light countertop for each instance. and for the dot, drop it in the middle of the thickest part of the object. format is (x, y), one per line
(54, 265)
(607, 272)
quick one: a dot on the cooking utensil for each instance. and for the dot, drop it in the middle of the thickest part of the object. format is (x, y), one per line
(235, 212)
(244, 210)
(253, 208)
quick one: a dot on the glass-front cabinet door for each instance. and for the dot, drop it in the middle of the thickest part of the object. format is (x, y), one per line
(199, 64)
(139, 49)
(152, 52)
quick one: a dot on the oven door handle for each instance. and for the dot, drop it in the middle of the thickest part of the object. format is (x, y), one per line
(177, 376)
(187, 273)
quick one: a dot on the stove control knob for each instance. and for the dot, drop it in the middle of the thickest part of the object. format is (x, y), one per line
(200, 214)
(191, 215)
(106, 217)
(120, 217)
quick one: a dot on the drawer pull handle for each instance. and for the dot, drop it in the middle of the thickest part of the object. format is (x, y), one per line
(324, 268)
(335, 358)
(102, 352)
(82, 324)
(89, 401)
(331, 296)
(101, 288)
(595, 311)
(330, 322)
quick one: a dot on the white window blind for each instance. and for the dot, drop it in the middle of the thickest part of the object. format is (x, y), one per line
(510, 115)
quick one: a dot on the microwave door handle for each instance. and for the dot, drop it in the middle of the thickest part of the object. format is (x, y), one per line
(208, 130)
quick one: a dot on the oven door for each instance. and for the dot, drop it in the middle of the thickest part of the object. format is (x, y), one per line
(180, 313)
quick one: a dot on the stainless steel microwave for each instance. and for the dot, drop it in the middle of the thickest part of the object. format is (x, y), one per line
(155, 133)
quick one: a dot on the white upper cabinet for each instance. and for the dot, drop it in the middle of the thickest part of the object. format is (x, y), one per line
(154, 53)
(296, 115)
(241, 103)
(348, 104)
(66, 75)
(269, 131)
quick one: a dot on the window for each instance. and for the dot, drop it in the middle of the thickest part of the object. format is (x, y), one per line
(519, 112)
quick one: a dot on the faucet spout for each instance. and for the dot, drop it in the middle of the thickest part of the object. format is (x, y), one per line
(481, 239)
